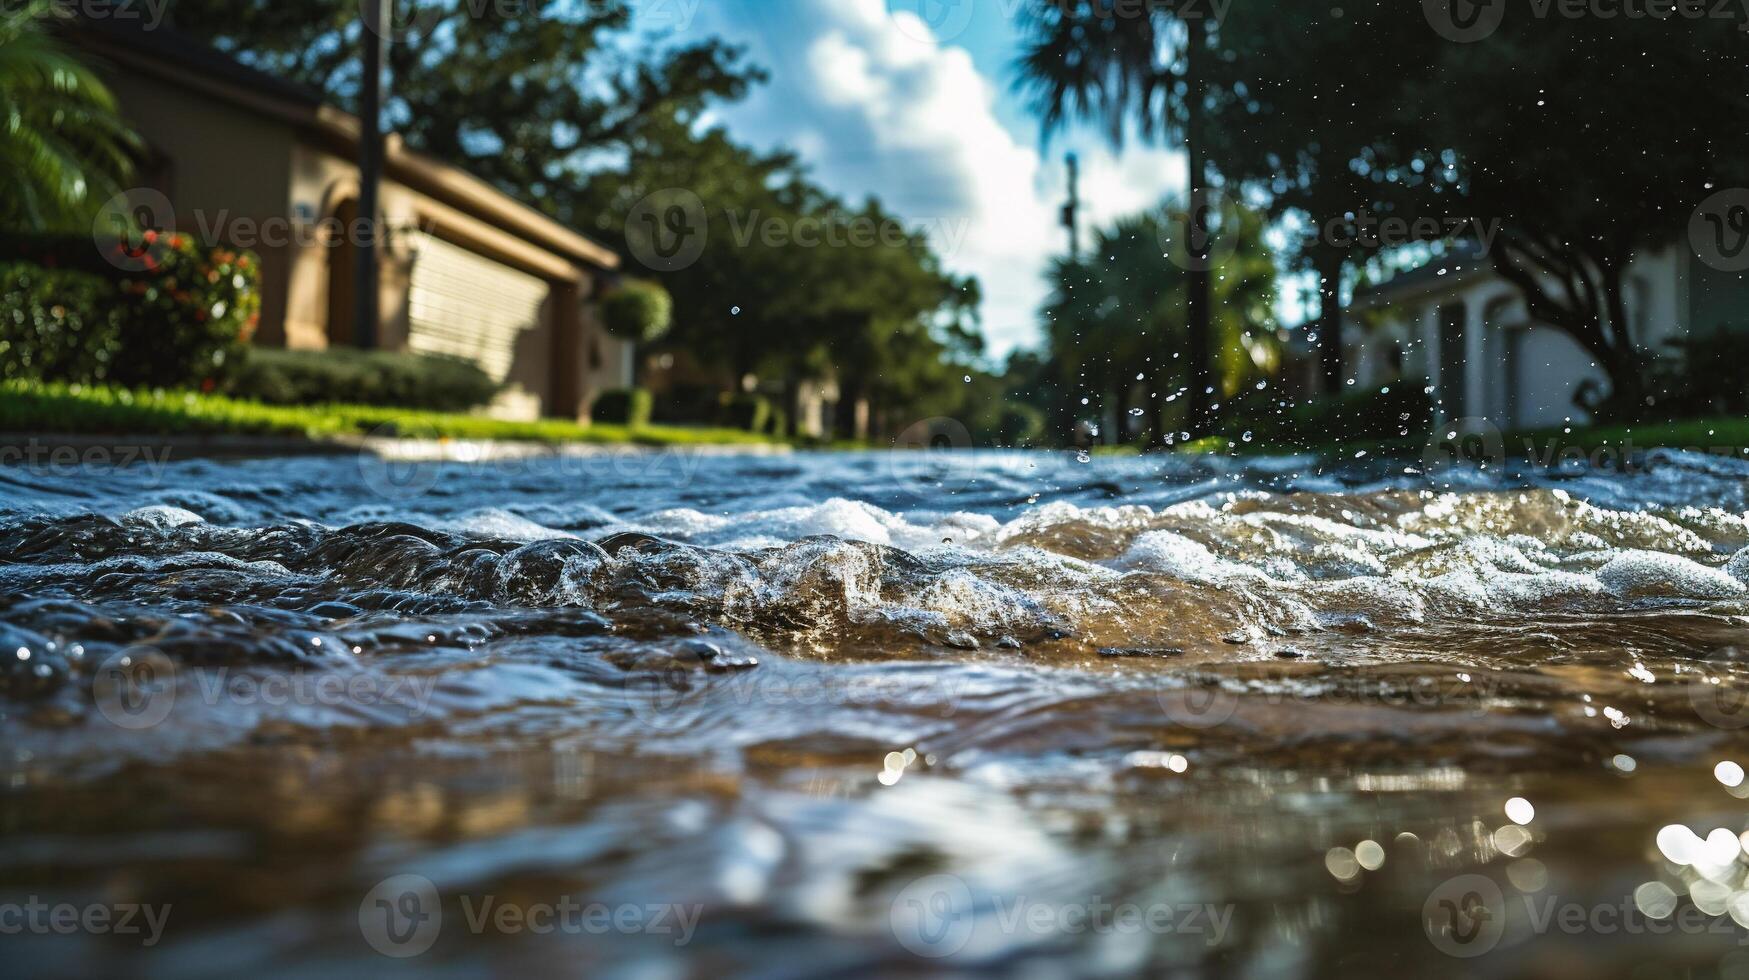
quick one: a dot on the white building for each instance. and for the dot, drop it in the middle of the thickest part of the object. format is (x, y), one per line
(1460, 325)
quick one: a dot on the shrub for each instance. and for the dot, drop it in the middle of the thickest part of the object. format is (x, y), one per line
(187, 318)
(57, 325)
(344, 375)
(1402, 409)
(1019, 424)
(1689, 383)
(179, 317)
(623, 406)
(779, 424)
(749, 412)
(638, 311)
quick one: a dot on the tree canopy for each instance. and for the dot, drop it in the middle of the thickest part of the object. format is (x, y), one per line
(574, 109)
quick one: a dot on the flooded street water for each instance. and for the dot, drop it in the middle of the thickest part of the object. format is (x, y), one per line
(865, 714)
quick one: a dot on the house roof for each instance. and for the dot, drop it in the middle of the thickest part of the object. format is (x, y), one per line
(1458, 265)
(167, 53)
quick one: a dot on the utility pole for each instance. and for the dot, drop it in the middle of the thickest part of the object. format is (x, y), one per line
(1072, 210)
(1198, 232)
(370, 170)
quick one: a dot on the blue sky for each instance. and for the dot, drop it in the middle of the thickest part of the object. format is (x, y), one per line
(878, 102)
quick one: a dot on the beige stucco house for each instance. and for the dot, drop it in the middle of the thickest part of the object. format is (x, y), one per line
(242, 158)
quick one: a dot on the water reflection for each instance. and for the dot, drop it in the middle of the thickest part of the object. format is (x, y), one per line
(871, 714)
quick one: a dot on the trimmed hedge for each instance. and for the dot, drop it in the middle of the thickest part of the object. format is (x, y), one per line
(349, 376)
(1019, 424)
(168, 314)
(750, 412)
(638, 311)
(623, 406)
(1400, 410)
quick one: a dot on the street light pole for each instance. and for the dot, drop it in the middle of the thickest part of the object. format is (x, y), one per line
(1072, 210)
(370, 169)
(1197, 234)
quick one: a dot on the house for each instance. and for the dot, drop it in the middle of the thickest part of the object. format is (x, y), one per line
(243, 158)
(1464, 328)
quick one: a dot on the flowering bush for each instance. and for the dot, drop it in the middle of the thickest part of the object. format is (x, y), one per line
(178, 317)
(187, 314)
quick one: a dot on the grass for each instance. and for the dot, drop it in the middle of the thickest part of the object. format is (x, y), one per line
(95, 410)
(1723, 436)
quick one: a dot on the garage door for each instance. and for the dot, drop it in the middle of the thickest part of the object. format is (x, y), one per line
(464, 305)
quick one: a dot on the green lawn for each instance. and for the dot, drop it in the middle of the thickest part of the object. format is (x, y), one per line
(1724, 436)
(89, 410)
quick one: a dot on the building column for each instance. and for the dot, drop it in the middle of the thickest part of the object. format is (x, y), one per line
(1430, 356)
(1476, 379)
(566, 311)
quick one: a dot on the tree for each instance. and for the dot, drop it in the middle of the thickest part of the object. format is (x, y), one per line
(559, 105)
(63, 146)
(1592, 140)
(791, 282)
(1324, 137)
(1582, 161)
(638, 310)
(1138, 67)
(529, 95)
(1114, 312)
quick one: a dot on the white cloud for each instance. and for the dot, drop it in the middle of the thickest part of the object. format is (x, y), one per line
(879, 108)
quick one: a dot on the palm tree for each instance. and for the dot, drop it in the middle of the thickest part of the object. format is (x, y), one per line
(1116, 311)
(1082, 61)
(63, 146)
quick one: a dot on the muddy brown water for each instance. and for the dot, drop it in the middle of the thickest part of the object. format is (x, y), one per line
(875, 714)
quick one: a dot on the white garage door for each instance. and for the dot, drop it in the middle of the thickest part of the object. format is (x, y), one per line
(464, 305)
